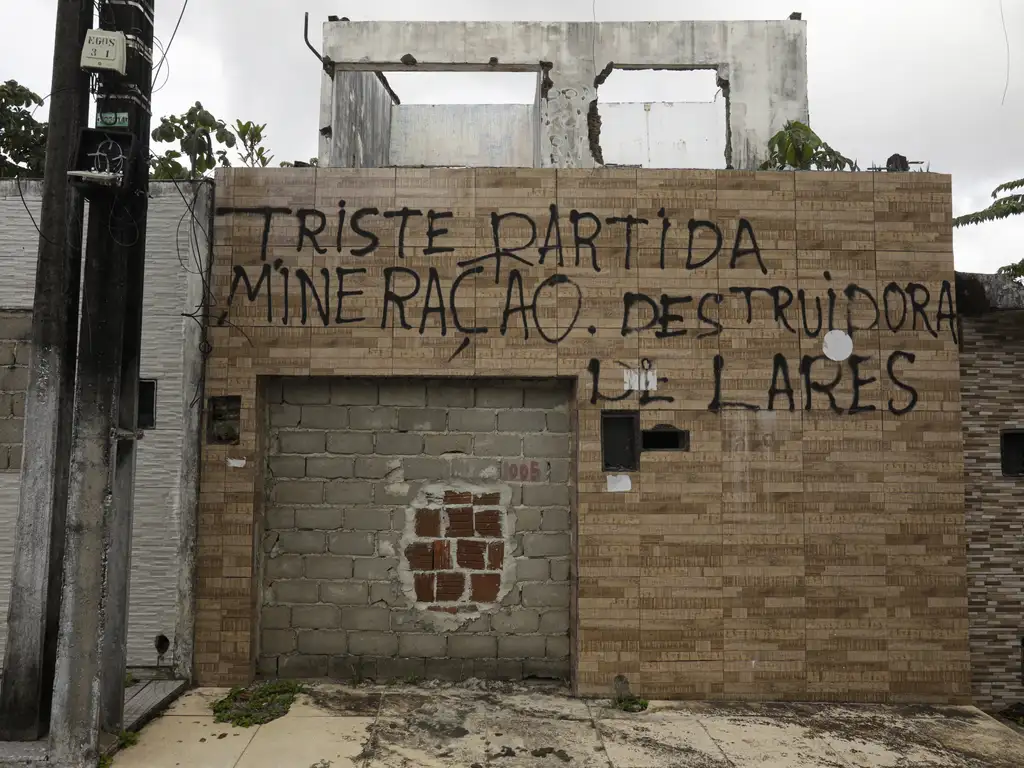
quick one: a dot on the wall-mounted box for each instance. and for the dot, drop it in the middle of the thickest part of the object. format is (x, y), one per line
(104, 50)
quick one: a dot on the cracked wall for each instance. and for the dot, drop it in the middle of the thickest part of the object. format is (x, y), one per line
(416, 529)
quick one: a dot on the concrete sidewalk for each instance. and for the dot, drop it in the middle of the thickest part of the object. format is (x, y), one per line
(477, 725)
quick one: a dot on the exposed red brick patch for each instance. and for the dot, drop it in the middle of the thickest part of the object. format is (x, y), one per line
(487, 499)
(460, 522)
(485, 587)
(443, 609)
(420, 556)
(428, 522)
(488, 524)
(455, 497)
(442, 554)
(496, 555)
(450, 587)
(471, 554)
(424, 587)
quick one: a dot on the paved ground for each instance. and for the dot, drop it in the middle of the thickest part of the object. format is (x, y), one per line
(480, 725)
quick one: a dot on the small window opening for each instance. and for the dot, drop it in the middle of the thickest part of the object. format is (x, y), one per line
(1012, 450)
(224, 420)
(671, 118)
(620, 441)
(147, 405)
(665, 437)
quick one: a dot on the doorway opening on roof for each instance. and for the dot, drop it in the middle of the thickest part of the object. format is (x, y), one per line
(663, 118)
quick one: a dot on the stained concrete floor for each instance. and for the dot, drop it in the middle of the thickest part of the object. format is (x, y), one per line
(493, 725)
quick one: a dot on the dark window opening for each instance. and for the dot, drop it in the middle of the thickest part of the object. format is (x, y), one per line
(224, 420)
(665, 437)
(620, 441)
(1012, 450)
(147, 405)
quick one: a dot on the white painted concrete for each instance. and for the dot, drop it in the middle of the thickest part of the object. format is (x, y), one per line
(474, 135)
(764, 63)
(170, 265)
(664, 135)
(652, 135)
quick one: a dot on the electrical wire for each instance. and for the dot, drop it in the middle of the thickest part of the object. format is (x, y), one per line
(170, 42)
(163, 56)
(21, 194)
(1006, 36)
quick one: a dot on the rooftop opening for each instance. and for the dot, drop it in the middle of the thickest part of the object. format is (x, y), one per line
(474, 119)
(464, 87)
(666, 118)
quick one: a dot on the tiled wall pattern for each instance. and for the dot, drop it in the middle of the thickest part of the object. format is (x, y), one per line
(15, 351)
(809, 552)
(396, 545)
(993, 391)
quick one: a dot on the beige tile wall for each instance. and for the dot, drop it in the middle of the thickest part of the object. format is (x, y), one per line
(812, 551)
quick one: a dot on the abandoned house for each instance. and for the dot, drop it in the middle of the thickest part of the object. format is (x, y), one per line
(470, 401)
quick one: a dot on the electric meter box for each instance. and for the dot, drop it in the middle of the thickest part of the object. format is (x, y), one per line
(104, 50)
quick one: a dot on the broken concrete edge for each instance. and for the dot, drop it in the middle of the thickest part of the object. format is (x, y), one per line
(979, 294)
(387, 87)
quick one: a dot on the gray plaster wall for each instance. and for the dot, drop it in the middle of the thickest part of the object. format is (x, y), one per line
(359, 115)
(763, 62)
(349, 465)
(176, 251)
(472, 135)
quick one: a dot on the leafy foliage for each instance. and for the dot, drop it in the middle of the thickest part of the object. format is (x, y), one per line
(797, 147)
(253, 154)
(258, 704)
(196, 132)
(1004, 206)
(22, 137)
(203, 143)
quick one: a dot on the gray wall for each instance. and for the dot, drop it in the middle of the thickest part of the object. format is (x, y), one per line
(366, 482)
(172, 261)
(991, 362)
(764, 63)
(474, 135)
(15, 348)
(358, 108)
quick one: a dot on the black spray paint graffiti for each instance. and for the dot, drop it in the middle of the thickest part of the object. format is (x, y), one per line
(418, 300)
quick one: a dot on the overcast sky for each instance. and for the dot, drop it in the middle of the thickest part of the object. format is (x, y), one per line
(924, 78)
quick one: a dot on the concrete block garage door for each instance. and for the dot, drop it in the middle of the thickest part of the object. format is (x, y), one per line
(417, 528)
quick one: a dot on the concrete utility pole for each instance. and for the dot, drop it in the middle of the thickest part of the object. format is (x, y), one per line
(89, 682)
(34, 611)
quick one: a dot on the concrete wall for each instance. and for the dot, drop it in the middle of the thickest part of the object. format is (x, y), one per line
(473, 135)
(172, 261)
(396, 543)
(664, 134)
(991, 362)
(764, 63)
(357, 107)
(802, 546)
(651, 135)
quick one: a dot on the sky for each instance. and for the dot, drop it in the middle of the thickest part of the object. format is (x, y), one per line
(935, 80)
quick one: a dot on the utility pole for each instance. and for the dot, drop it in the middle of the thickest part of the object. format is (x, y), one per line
(134, 19)
(89, 680)
(34, 611)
